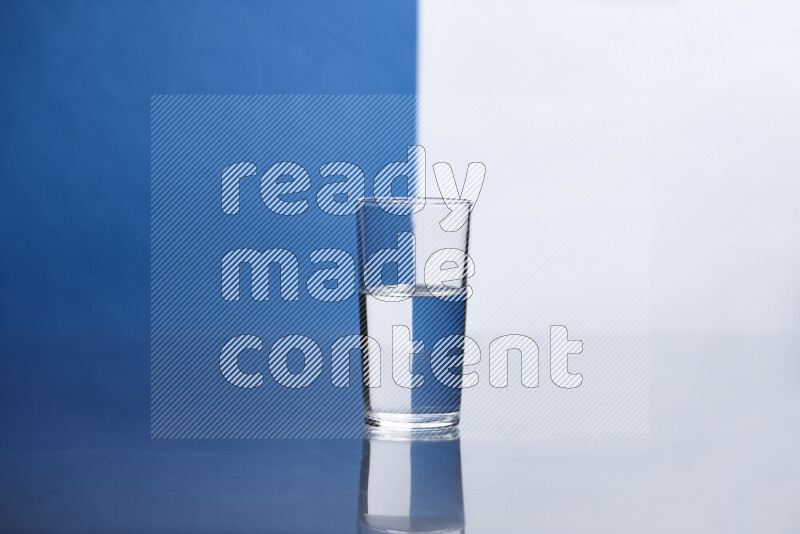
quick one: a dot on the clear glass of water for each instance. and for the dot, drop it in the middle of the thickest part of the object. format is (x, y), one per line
(413, 297)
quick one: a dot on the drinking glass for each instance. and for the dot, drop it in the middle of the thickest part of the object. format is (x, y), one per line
(414, 265)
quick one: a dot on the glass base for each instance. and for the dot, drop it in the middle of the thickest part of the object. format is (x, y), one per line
(401, 421)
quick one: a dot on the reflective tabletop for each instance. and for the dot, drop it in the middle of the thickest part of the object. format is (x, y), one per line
(722, 457)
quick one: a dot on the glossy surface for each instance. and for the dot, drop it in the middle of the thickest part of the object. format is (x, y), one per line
(721, 458)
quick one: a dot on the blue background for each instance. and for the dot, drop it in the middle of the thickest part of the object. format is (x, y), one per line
(75, 109)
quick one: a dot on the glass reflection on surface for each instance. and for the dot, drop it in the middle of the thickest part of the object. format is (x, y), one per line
(410, 482)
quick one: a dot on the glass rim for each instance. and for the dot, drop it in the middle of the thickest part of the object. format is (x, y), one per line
(415, 200)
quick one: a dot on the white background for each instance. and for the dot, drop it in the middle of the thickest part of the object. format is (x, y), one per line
(722, 79)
